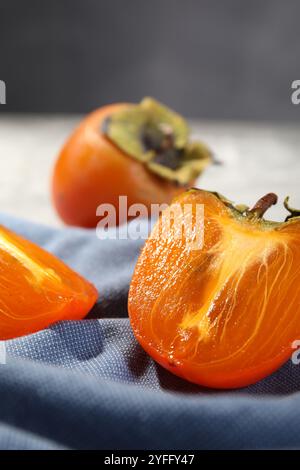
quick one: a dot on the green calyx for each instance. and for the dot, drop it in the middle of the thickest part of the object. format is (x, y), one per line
(255, 215)
(259, 209)
(237, 209)
(159, 138)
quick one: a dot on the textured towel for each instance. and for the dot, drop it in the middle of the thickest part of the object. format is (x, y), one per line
(89, 385)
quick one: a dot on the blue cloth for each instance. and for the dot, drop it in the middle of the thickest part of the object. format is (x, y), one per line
(88, 384)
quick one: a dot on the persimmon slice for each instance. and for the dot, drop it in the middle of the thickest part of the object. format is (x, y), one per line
(224, 315)
(37, 289)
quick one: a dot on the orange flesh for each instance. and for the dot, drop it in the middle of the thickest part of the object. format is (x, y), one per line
(37, 289)
(224, 315)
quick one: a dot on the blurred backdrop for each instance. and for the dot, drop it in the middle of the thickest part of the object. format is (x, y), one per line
(227, 59)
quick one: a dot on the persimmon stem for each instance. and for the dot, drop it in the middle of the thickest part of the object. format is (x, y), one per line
(263, 204)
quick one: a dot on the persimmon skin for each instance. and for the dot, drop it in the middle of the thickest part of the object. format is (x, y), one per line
(91, 170)
(37, 289)
(219, 317)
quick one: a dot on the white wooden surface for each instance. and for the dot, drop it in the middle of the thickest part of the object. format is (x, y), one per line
(257, 158)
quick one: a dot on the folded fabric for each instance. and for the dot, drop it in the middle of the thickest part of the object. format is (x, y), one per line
(89, 385)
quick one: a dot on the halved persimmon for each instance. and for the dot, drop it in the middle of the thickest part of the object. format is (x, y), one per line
(37, 289)
(141, 151)
(224, 315)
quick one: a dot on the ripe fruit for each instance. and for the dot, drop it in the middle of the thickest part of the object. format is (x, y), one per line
(225, 315)
(37, 289)
(139, 151)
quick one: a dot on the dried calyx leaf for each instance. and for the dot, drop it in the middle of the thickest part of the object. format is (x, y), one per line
(293, 212)
(158, 137)
(238, 208)
(260, 208)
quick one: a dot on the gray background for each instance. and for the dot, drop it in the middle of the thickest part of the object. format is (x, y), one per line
(227, 59)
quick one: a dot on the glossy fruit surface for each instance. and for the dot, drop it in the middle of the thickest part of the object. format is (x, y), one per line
(37, 289)
(225, 315)
(114, 153)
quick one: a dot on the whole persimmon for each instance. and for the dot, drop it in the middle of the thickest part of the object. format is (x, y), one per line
(224, 314)
(37, 289)
(141, 151)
